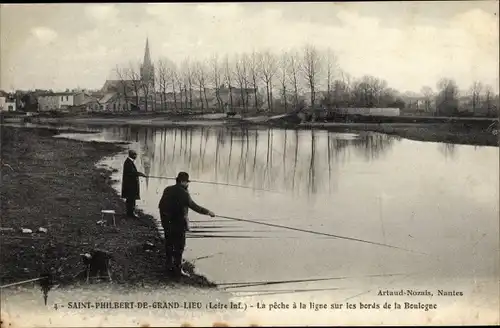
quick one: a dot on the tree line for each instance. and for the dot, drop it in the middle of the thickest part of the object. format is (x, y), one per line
(283, 82)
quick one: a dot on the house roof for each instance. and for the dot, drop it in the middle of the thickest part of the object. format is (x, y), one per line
(106, 98)
(115, 84)
(3, 94)
(57, 94)
(71, 93)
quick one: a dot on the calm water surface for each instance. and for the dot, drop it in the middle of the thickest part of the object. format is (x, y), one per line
(437, 199)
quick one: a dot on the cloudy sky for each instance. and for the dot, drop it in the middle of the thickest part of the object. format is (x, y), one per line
(410, 44)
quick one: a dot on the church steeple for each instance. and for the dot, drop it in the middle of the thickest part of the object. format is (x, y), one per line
(147, 69)
(147, 56)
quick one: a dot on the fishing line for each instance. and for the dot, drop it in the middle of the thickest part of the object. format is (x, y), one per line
(263, 283)
(321, 234)
(280, 291)
(206, 257)
(216, 183)
(228, 236)
(22, 282)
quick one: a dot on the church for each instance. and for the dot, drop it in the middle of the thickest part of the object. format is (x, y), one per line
(132, 91)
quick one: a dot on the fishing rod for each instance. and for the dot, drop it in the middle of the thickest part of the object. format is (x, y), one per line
(45, 281)
(231, 285)
(320, 233)
(214, 183)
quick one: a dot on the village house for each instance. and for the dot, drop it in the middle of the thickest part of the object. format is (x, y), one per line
(7, 102)
(60, 100)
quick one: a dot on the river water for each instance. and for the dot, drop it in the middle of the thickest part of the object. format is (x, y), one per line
(437, 203)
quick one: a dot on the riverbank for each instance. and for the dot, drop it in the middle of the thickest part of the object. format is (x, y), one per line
(53, 183)
(444, 133)
(466, 131)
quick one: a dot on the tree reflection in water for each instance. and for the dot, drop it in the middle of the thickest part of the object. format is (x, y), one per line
(448, 150)
(311, 160)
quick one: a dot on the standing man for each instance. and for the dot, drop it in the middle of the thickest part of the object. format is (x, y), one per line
(130, 183)
(174, 206)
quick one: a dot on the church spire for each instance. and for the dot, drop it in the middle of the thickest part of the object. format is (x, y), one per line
(147, 68)
(147, 56)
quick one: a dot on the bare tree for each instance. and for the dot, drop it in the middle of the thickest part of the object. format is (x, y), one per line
(179, 81)
(241, 74)
(283, 69)
(475, 92)
(368, 91)
(488, 99)
(216, 78)
(340, 92)
(133, 74)
(122, 92)
(268, 68)
(254, 75)
(293, 76)
(311, 69)
(228, 78)
(245, 62)
(173, 74)
(188, 78)
(428, 94)
(161, 77)
(347, 85)
(447, 98)
(200, 74)
(331, 65)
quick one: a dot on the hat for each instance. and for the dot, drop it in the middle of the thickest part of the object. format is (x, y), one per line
(183, 177)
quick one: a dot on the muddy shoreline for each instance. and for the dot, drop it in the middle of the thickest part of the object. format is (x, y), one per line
(54, 183)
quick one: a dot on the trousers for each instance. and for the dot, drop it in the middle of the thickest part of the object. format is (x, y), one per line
(130, 202)
(175, 241)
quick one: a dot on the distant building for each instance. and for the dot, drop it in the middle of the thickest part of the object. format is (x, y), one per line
(110, 102)
(147, 68)
(7, 102)
(60, 100)
(131, 93)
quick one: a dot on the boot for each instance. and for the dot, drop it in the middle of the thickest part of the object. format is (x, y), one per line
(178, 272)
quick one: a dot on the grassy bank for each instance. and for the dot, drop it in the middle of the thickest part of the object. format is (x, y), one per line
(456, 133)
(53, 183)
(445, 133)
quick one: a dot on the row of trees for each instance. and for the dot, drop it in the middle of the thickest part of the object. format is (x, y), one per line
(450, 100)
(280, 82)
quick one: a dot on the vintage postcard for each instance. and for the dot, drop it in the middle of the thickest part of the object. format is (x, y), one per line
(249, 164)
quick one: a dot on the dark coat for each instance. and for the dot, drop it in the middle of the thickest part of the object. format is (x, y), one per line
(130, 180)
(174, 207)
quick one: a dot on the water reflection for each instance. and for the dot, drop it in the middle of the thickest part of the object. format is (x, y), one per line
(448, 151)
(292, 160)
(368, 186)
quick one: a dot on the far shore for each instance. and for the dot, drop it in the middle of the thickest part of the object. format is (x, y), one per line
(466, 131)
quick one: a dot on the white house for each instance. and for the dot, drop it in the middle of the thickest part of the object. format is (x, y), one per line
(3, 98)
(60, 100)
(7, 102)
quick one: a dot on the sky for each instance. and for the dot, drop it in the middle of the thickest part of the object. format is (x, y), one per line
(409, 44)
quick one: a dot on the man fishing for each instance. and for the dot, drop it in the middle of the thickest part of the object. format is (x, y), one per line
(174, 206)
(130, 183)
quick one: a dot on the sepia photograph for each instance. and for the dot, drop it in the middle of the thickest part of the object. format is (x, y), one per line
(218, 164)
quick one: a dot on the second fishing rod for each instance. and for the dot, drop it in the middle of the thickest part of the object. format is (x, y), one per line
(214, 183)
